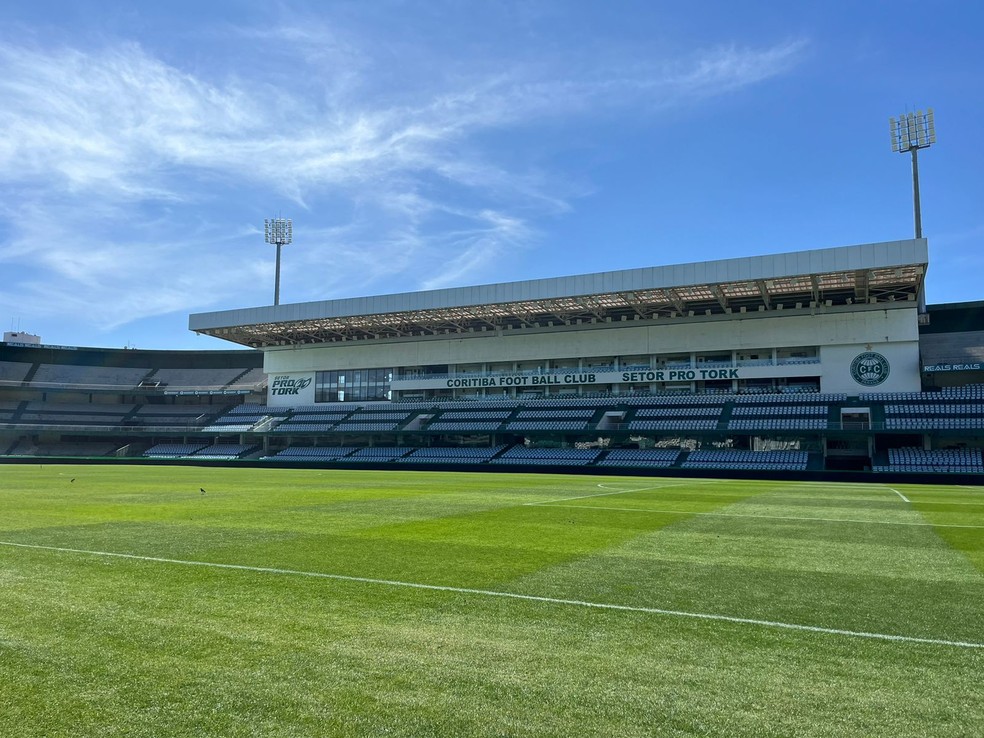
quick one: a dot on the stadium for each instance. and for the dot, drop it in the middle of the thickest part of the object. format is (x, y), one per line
(609, 398)
(809, 364)
(761, 517)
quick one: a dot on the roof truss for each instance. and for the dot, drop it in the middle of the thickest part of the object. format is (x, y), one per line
(805, 291)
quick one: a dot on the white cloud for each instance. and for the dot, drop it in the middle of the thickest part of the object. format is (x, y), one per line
(479, 247)
(64, 270)
(105, 154)
(728, 68)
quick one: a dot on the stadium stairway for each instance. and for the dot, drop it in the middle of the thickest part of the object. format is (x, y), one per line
(22, 447)
(725, 417)
(500, 452)
(29, 377)
(19, 412)
(148, 377)
(597, 418)
(236, 378)
(878, 417)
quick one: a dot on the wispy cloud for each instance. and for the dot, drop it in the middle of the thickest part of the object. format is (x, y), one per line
(66, 268)
(105, 154)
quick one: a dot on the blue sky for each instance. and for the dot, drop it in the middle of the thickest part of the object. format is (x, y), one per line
(431, 144)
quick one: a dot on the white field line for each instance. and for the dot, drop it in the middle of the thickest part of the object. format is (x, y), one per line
(904, 498)
(622, 491)
(835, 485)
(605, 494)
(765, 517)
(634, 489)
(947, 502)
(513, 596)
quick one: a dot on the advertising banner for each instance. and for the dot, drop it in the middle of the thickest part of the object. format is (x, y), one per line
(290, 390)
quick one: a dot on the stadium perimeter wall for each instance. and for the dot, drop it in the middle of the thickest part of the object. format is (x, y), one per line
(597, 471)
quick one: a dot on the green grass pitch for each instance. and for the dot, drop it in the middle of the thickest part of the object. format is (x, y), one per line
(362, 603)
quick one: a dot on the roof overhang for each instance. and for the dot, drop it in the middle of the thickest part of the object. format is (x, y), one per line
(870, 273)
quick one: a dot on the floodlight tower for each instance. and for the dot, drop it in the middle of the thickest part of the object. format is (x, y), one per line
(911, 132)
(278, 231)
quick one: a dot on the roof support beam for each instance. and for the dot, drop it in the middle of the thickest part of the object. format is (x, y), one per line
(862, 284)
(764, 292)
(719, 295)
(677, 302)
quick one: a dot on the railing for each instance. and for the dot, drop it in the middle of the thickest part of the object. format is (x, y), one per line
(806, 360)
(610, 368)
(90, 427)
(130, 387)
(672, 425)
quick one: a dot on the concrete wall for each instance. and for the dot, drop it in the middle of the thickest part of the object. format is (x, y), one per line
(900, 358)
(833, 328)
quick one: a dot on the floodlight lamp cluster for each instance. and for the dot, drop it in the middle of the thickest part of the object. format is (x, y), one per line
(913, 131)
(278, 231)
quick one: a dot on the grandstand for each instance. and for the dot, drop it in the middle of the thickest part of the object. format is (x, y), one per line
(808, 363)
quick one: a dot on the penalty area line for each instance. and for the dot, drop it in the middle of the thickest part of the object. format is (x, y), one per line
(904, 498)
(514, 596)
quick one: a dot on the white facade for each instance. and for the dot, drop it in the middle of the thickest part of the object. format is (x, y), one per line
(591, 357)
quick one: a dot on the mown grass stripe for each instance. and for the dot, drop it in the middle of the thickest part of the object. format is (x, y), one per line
(513, 595)
(607, 494)
(764, 517)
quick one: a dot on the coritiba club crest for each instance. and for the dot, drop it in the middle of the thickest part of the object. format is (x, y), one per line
(870, 369)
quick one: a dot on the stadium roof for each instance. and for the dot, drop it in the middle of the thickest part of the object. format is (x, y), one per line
(869, 273)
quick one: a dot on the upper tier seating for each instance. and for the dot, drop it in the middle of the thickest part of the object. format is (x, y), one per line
(74, 414)
(13, 372)
(88, 377)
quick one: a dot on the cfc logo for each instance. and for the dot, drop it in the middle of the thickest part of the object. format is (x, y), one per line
(870, 369)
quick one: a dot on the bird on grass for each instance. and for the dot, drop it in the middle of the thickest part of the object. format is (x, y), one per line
(202, 490)
(72, 479)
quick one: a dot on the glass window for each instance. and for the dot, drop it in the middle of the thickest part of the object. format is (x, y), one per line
(353, 385)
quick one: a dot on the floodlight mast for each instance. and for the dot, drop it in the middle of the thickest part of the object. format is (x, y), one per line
(278, 231)
(911, 132)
